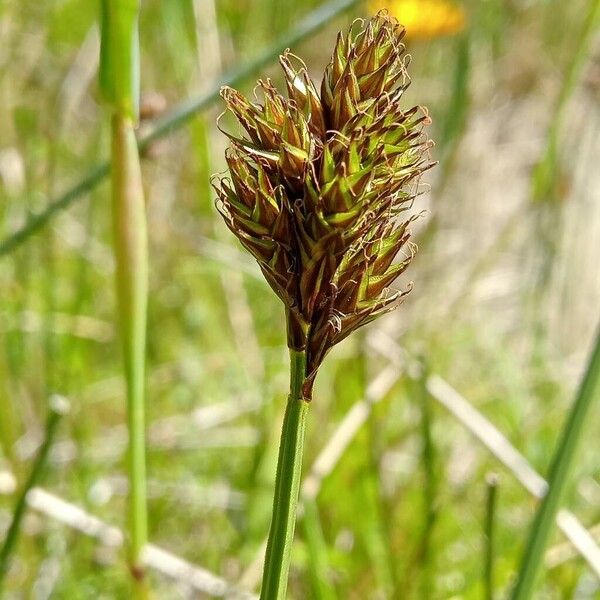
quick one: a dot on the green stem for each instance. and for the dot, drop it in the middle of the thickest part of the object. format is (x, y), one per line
(560, 471)
(322, 589)
(131, 253)
(490, 531)
(58, 408)
(287, 485)
(429, 487)
(545, 172)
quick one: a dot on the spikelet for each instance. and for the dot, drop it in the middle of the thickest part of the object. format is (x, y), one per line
(319, 184)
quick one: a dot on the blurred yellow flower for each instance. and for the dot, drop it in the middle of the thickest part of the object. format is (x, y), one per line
(424, 19)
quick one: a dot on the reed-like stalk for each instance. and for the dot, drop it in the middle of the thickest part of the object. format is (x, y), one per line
(287, 484)
(545, 173)
(130, 245)
(558, 479)
(58, 407)
(430, 484)
(318, 562)
(119, 77)
(491, 500)
(377, 533)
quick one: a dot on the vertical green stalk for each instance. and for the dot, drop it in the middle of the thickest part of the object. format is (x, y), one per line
(119, 56)
(560, 471)
(545, 172)
(119, 79)
(375, 517)
(430, 491)
(456, 116)
(287, 485)
(131, 253)
(58, 407)
(490, 531)
(9, 423)
(318, 564)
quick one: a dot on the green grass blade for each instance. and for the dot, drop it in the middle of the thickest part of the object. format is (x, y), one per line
(545, 172)
(560, 471)
(458, 107)
(180, 116)
(490, 534)
(375, 530)
(429, 486)
(58, 408)
(37, 222)
(322, 588)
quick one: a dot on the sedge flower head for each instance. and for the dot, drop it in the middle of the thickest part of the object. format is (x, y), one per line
(320, 183)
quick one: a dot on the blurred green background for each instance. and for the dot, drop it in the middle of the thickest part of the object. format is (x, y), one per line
(504, 307)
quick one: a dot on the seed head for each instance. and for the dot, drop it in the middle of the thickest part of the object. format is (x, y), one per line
(319, 184)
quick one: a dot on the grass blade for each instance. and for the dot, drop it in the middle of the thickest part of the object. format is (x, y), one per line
(58, 408)
(560, 471)
(545, 172)
(322, 588)
(490, 534)
(459, 102)
(430, 512)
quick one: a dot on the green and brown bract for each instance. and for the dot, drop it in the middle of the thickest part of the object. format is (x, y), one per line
(319, 185)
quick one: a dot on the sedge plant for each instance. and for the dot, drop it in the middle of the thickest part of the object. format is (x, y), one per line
(318, 191)
(119, 79)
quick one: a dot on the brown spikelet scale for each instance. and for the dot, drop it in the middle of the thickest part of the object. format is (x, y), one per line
(320, 181)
